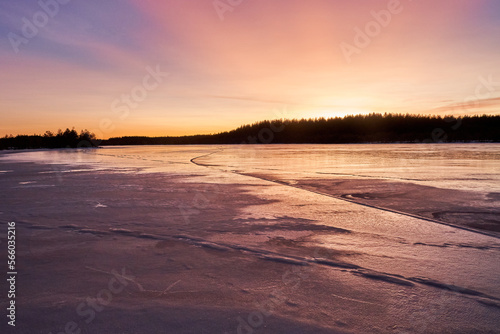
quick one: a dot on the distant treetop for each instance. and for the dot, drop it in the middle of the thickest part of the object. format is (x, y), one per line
(372, 128)
(67, 139)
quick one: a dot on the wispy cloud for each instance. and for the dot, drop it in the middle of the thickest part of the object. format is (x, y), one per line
(488, 106)
(263, 54)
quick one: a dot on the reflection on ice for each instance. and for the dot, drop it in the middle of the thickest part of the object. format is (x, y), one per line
(223, 231)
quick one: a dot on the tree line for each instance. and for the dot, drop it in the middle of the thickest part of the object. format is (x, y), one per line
(372, 128)
(61, 139)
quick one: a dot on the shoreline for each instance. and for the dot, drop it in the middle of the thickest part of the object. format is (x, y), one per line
(254, 145)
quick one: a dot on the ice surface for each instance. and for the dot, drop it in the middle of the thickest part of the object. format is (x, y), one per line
(259, 239)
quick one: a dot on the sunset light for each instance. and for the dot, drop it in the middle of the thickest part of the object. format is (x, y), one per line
(250, 166)
(64, 63)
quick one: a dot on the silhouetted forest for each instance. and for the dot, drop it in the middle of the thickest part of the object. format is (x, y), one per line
(373, 128)
(68, 138)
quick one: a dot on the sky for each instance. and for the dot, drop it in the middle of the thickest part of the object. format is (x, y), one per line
(183, 67)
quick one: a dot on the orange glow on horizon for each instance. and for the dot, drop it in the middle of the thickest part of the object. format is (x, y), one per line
(426, 57)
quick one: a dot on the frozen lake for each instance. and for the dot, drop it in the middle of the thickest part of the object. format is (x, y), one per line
(274, 238)
(450, 166)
